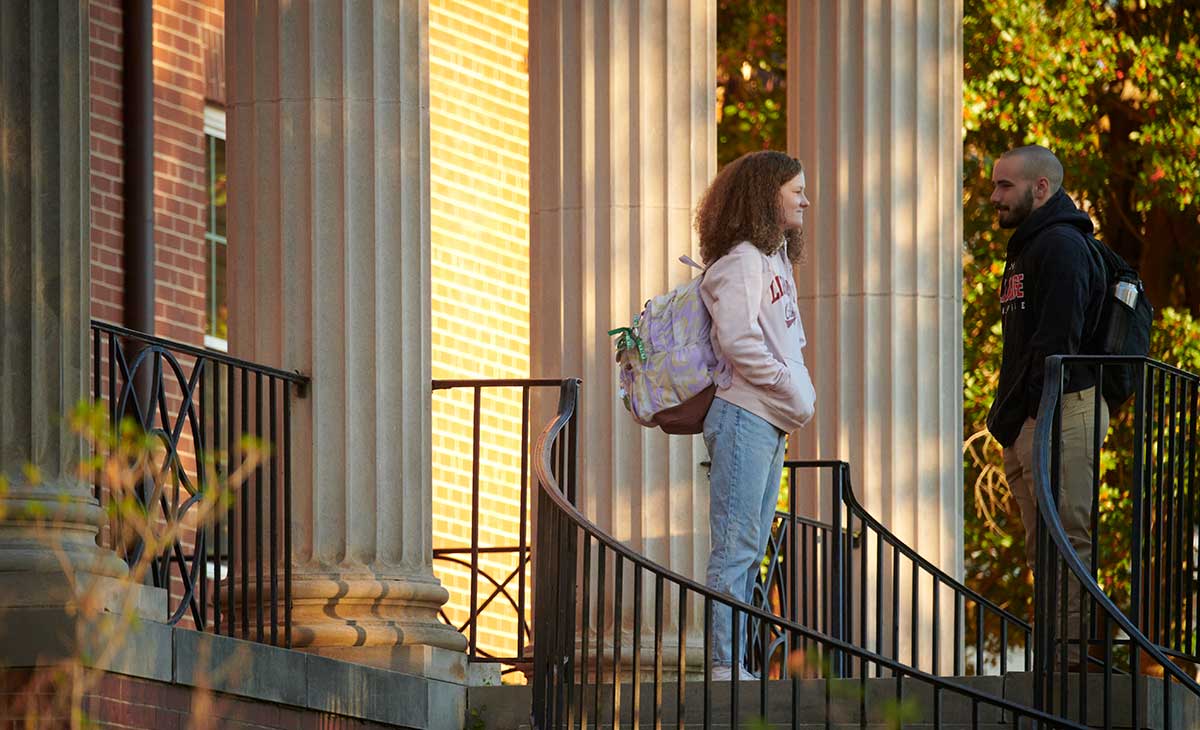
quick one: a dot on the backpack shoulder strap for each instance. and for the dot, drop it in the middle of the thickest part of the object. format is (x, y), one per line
(1114, 265)
(1111, 265)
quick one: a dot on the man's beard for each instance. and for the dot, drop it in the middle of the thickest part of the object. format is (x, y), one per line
(1017, 214)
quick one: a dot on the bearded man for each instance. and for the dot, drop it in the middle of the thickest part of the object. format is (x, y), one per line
(1050, 299)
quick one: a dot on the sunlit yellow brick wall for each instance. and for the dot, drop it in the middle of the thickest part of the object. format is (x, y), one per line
(479, 149)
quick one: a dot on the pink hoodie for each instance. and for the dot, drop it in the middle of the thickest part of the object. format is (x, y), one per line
(758, 337)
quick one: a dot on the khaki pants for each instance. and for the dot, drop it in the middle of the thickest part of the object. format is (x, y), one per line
(1078, 462)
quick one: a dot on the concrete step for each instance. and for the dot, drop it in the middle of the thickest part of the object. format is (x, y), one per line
(508, 707)
(1152, 712)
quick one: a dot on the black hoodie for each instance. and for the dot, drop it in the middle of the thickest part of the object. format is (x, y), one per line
(1050, 299)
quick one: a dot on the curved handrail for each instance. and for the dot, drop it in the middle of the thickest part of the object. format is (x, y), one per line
(917, 558)
(859, 604)
(549, 486)
(1048, 510)
(868, 520)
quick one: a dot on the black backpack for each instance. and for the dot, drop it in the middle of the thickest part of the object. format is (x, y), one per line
(1124, 326)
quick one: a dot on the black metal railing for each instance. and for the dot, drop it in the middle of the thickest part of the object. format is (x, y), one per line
(501, 593)
(1143, 543)
(612, 635)
(228, 571)
(868, 588)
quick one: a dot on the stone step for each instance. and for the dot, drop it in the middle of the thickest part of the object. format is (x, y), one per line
(508, 707)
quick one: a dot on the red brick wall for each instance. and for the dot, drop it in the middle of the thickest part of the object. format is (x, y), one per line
(186, 34)
(107, 186)
(180, 30)
(180, 198)
(117, 701)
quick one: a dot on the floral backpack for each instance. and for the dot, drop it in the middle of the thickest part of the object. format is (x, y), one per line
(666, 360)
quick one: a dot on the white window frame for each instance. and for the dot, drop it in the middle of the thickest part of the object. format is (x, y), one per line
(214, 126)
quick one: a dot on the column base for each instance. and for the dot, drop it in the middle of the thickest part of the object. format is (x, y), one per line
(51, 528)
(387, 623)
(61, 595)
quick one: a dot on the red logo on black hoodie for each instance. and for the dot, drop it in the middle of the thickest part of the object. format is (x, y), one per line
(1012, 293)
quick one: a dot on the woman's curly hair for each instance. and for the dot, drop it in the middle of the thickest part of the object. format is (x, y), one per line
(742, 204)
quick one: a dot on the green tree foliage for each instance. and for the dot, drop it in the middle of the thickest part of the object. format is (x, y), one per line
(1113, 87)
(751, 68)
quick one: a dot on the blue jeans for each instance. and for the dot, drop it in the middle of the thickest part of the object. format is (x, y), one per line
(747, 461)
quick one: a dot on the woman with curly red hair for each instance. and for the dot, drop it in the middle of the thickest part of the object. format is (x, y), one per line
(750, 221)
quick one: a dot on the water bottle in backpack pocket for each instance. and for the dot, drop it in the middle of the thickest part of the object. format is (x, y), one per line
(1126, 318)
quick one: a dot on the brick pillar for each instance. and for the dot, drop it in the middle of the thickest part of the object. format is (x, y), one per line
(328, 153)
(622, 100)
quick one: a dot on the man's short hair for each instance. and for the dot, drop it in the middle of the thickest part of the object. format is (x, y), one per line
(1037, 161)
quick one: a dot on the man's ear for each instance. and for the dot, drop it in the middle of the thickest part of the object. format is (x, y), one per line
(1042, 188)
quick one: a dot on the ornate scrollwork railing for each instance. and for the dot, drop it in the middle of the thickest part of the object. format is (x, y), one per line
(228, 571)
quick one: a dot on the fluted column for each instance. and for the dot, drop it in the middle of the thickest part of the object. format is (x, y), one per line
(329, 239)
(874, 112)
(48, 518)
(623, 142)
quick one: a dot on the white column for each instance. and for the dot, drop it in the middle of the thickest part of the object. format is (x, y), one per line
(329, 242)
(623, 142)
(874, 112)
(49, 522)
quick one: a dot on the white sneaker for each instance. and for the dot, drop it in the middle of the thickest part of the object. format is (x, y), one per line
(724, 673)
